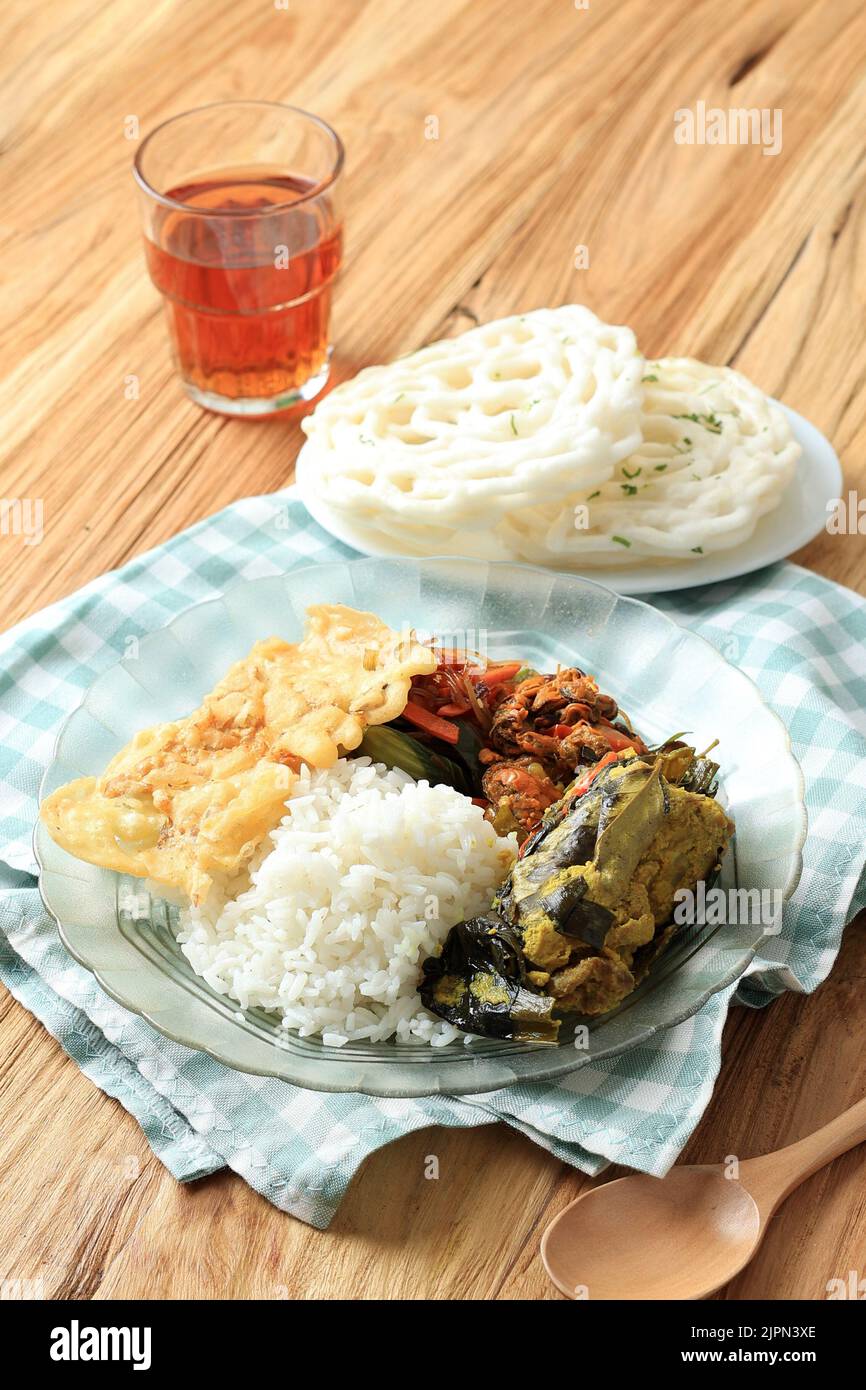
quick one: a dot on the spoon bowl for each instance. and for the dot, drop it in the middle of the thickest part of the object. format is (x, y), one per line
(627, 1239)
(685, 1235)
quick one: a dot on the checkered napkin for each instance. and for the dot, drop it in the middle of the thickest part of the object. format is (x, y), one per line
(801, 638)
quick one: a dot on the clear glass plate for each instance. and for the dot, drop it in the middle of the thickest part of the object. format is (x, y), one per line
(667, 679)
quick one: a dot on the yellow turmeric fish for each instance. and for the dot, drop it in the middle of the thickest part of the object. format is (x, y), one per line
(588, 905)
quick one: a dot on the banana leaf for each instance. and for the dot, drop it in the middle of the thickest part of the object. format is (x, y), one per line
(692, 771)
(479, 983)
(701, 777)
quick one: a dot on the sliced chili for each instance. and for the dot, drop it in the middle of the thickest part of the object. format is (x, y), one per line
(584, 782)
(617, 740)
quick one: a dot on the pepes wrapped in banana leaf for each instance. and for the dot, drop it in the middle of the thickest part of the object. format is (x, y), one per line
(588, 903)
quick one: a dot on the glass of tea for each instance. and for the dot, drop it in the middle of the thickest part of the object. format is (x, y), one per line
(243, 236)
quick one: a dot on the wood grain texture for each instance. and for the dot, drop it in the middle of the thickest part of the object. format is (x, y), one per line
(555, 131)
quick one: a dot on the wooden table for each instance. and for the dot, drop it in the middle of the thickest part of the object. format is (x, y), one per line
(555, 131)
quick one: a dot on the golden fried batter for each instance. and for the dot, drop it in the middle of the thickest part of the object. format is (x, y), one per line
(195, 797)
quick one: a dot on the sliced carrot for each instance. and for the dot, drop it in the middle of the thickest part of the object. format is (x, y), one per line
(495, 675)
(454, 711)
(417, 714)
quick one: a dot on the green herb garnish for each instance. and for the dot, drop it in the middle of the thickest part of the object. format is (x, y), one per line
(710, 422)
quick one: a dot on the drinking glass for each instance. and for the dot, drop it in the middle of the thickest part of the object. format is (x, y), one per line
(243, 237)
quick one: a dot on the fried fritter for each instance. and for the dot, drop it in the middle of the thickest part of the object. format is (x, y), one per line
(194, 797)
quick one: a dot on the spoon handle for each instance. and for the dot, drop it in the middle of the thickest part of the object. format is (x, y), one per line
(772, 1177)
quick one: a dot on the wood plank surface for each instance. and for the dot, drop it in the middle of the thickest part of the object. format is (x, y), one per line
(555, 131)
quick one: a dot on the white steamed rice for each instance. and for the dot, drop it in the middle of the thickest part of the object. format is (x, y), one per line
(362, 879)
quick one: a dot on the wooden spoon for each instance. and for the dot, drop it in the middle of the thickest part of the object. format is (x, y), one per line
(684, 1235)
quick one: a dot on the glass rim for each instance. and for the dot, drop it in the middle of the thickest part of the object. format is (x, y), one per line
(315, 192)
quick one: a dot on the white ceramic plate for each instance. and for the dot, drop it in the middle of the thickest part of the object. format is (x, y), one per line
(800, 515)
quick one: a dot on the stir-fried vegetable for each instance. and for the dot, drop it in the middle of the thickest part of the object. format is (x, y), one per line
(385, 744)
(517, 737)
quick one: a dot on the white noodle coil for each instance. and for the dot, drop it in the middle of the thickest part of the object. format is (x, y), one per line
(716, 456)
(513, 414)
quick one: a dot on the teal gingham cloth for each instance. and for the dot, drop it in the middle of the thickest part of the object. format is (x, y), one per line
(802, 638)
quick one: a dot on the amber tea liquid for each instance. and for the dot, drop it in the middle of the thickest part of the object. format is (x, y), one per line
(248, 296)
